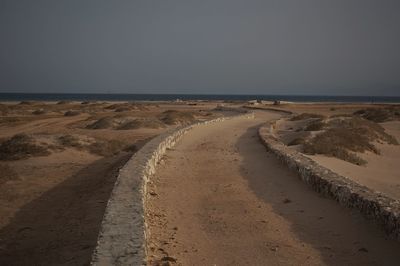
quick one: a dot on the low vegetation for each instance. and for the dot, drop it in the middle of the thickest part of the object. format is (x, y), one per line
(21, 146)
(69, 141)
(106, 148)
(173, 117)
(39, 112)
(96, 146)
(102, 123)
(306, 116)
(344, 137)
(141, 123)
(380, 115)
(315, 125)
(71, 113)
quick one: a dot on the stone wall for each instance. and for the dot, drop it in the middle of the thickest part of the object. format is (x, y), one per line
(374, 205)
(121, 240)
(286, 112)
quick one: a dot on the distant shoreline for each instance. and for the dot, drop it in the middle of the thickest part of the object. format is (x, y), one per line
(205, 97)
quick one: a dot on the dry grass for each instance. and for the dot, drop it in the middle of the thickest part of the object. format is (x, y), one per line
(71, 113)
(346, 136)
(173, 117)
(379, 115)
(100, 147)
(316, 125)
(306, 116)
(102, 123)
(39, 112)
(141, 123)
(69, 141)
(21, 146)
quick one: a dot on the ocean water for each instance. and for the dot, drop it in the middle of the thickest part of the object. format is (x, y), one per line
(170, 97)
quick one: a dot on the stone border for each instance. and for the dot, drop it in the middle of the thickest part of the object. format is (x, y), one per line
(287, 112)
(374, 205)
(121, 239)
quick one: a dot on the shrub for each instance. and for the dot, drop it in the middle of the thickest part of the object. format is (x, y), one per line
(69, 141)
(346, 137)
(306, 116)
(39, 112)
(315, 126)
(71, 113)
(141, 123)
(379, 115)
(102, 123)
(172, 117)
(21, 146)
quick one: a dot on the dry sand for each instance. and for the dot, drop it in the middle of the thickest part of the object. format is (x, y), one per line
(51, 211)
(381, 173)
(218, 198)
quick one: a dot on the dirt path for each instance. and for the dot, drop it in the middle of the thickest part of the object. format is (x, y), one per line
(219, 198)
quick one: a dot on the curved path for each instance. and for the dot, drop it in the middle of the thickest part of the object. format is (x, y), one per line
(218, 198)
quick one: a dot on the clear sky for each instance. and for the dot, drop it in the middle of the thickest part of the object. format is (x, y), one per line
(324, 47)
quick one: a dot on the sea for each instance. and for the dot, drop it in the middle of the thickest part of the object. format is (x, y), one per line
(171, 97)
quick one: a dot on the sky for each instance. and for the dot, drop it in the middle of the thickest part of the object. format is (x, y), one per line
(320, 47)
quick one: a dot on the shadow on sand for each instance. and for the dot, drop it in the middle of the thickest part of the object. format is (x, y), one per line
(61, 226)
(340, 235)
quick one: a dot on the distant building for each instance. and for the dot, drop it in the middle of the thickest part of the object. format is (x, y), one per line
(253, 102)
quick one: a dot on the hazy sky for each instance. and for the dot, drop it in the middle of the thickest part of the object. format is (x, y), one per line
(333, 47)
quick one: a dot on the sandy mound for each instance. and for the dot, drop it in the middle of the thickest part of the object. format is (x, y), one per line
(71, 113)
(21, 146)
(341, 136)
(141, 123)
(173, 117)
(379, 115)
(102, 123)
